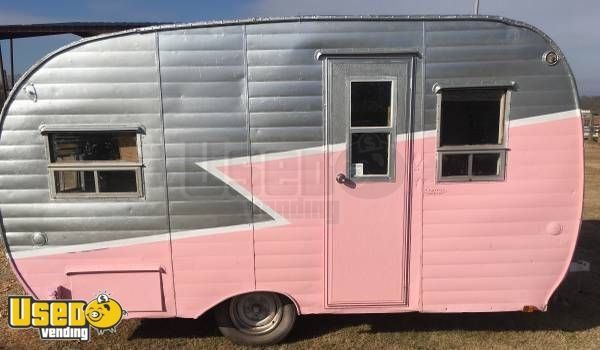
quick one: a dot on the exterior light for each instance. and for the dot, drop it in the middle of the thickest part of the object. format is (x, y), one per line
(550, 57)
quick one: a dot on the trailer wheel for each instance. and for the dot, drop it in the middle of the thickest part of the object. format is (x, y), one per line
(259, 318)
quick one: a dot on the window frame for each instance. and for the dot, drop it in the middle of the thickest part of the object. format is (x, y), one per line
(94, 166)
(470, 150)
(390, 129)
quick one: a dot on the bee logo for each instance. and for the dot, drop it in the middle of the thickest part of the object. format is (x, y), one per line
(65, 319)
(104, 313)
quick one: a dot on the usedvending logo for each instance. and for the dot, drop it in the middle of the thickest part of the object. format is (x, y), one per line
(65, 319)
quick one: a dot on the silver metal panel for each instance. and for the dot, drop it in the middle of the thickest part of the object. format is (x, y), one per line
(285, 79)
(288, 119)
(106, 82)
(226, 86)
(285, 73)
(100, 60)
(125, 75)
(468, 50)
(22, 241)
(284, 89)
(204, 106)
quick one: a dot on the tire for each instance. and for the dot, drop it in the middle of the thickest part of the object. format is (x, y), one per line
(258, 318)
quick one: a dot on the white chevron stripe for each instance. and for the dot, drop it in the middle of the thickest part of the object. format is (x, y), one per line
(278, 220)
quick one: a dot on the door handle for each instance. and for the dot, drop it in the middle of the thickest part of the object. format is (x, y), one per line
(341, 178)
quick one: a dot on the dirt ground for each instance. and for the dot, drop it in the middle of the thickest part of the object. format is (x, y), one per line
(572, 322)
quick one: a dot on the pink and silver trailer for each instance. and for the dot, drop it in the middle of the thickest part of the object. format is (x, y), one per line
(278, 167)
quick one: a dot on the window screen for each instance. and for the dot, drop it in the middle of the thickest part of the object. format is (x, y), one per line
(95, 163)
(371, 130)
(471, 141)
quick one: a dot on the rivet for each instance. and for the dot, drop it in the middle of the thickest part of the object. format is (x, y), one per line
(39, 239)
(554, 228)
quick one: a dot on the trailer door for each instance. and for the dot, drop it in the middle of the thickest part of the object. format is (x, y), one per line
(368, 118)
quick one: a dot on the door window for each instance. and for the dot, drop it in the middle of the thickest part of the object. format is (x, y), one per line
(372, 135)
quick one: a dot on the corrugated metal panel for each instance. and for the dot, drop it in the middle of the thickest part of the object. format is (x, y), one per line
(486, 245)
(285, 79)
(204, 105)
(103, 82)
(467, 51)
(223, 101)
(203, 89)
(475, 238)
(286, 113)
(204, 101)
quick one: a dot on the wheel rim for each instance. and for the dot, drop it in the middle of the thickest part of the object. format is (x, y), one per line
(256, 313)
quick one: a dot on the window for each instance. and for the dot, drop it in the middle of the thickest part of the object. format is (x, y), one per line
(471, 140)
(372, 135)
(94, 163)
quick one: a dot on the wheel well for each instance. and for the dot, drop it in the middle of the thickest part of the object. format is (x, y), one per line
(281, 294)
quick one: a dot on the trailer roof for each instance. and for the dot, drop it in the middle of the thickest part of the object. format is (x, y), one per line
(103, 29)
(154, 27)
(87, 29)
(315, 18)
(82, 29)
(334, 18)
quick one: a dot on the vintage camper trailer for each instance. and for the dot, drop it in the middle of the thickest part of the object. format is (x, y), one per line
(270, 168)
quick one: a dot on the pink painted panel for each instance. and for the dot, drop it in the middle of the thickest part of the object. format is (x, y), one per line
(289, 258)
(137, 291)
(492, 246)
(508, 269)
(473, 260)
(486, 299)
(211, 268)
(367, 242)
(484, 246)
(47, 273)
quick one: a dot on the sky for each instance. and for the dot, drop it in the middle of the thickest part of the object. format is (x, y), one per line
(572, 24)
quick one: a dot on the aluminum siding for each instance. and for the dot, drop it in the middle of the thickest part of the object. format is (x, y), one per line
(285, 79)
(485, 245)
(212, 110)
(204, 105)
(203, 78)
(286, 113)
(467, 52)
(103, 82)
